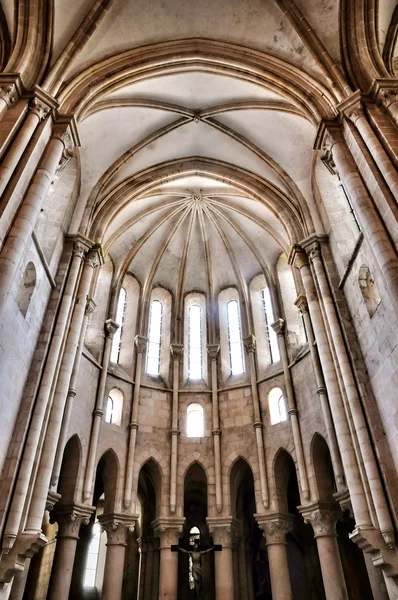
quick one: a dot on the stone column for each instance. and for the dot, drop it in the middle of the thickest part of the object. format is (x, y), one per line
(225, 531)
(276, 526)
(43, 478)
(15, 246)
(279, 328)
(38, 110)
(302, 305)
(176, 351)
(250, 345)
(323, 518)
(110, 329)
(140, 342)
(213, 350)
(351, 469)
(147, 575)
(337, 154)
(10, 91)
(42, 399)
(90, 307)
(69, 519)
(169, 531)
(117, 527)
(361, 430)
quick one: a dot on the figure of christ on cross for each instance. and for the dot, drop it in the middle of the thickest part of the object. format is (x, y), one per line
(196, 558)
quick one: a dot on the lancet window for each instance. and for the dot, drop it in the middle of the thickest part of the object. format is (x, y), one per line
(114, 407)
(154, 338)
(234, 338)
(120, 317)
(269, 319)
(92, 557)
(195, 342)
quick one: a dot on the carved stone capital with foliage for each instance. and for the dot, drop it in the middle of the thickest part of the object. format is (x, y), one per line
(168, 530)
(140, 343)
(275, 526)
(117, 527)
(322, 517)
(70, 517)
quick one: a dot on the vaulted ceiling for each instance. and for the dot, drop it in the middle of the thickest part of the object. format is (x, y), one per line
(197, 122)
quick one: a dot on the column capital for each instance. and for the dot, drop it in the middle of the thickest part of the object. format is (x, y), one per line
(225, 531)
(117, 527)
(94, 256)
(42, 103)
(110, 328)
(169, 530)
(11, 88)
(344, 501)
(384, 91)
(351, 107)
(176, 350)
(301, 303)
(279, 327)
(90, 306)
(213, 350)
(275, 526)
(297, 257)
(250, 343)
(52, 499)
(140, 342)
(322, 516)
(70, 517)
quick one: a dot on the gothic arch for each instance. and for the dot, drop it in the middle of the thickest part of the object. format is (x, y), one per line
(108, 480)
(323, 469)
(69, 478)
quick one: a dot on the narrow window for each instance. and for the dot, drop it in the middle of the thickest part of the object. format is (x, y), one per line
(195, 342)
(234, 338)
(110, 406)
(155, 339)
(114, 407)
(277, 406)
(120, 315)
(92, 557)
(195, 421)
(272, 338)
(26, 288)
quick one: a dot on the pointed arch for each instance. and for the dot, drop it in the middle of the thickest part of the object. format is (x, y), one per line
(323, 469)
(70, 470)
(240, 474)
(285, 476)
(107, 480)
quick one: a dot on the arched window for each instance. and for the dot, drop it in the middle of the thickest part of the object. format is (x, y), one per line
(195, 342)
(272, 338)
(114, 407)
(277, 406)
(195, 421)
(154, 338)
(369, 290)
(92, 557)
(26, 288)
(234, 338)
(120, 315)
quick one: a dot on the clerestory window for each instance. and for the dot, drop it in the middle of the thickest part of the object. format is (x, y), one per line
(154, 339)
(234, 338)
(272, 338)
(195, 342)
(120, 317)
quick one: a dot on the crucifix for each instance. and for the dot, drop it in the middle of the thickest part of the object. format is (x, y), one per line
(196, 557)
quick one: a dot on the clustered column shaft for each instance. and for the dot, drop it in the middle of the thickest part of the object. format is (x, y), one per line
(250, 344)
(279, 328)
(140, 343)
(110, 329)
(176, 351)
(213, 350)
